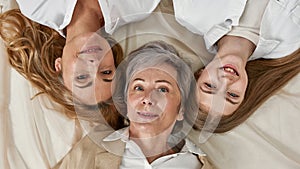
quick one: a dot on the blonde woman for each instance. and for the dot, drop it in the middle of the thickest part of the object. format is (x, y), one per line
(39, 53)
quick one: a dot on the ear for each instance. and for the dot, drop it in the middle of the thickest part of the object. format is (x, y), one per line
(57, 64)
(180, 116)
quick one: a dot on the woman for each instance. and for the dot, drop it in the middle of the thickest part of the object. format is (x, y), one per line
(265, 76)
(156, 91)
(223, 83)
(263, 34)
(39, 53)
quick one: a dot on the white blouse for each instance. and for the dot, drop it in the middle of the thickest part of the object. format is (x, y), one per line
(133, 157)
(278, 20)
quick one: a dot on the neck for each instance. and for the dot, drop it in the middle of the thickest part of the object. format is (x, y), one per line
(153, 146)
(234, 45)
(87, 17)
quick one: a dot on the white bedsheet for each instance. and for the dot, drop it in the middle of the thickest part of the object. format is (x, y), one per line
(269, 139)
(33, 136)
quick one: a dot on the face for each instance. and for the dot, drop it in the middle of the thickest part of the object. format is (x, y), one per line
(222, 85)
(88, 67)
(153, 101)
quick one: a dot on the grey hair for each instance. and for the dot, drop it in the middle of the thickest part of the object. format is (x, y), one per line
(152, 54)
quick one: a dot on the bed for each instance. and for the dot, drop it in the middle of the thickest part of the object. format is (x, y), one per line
(34, 134)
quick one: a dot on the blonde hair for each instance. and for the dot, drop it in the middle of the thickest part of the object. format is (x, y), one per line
(32, 49)
(266, 77)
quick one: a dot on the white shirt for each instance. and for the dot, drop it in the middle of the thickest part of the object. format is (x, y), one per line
(279, 30)
(133, 157)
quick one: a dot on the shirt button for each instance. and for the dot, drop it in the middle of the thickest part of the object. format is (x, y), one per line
(228, 22)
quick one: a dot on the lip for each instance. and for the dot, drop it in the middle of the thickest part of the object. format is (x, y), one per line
(230, 69)
(91, 49)
(147, 115)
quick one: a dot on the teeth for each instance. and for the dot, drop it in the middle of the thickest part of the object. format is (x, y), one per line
(90, 50)
(230, 70)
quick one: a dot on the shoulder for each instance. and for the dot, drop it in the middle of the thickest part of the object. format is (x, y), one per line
(55, 14)
(85, 153)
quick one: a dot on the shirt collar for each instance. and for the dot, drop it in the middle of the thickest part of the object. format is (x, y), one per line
(191, 147)
(123, 134)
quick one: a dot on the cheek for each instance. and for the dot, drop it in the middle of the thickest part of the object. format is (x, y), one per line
(133, 99)
(132, 106)
(172, 104)
(68, 75)
(204, 77)
(106, 86)
(243, 84)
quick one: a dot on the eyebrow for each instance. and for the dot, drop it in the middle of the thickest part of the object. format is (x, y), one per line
(163, 81)
(139, 79)
(227, 99)
(87, 85)
(157, 81)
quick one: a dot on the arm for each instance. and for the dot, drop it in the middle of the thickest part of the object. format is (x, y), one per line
(249, 24)
(242, 39)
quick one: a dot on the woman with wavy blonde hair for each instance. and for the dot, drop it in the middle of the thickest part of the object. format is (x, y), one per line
(34, 51)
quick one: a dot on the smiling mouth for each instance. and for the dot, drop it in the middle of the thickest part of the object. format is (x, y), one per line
(230, 69)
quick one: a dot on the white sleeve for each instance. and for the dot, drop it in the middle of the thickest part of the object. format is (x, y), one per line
(117, 13)
(56, 14)
(250, 21)
(212, 19)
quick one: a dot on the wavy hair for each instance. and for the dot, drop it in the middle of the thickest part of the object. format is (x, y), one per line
(32, 49)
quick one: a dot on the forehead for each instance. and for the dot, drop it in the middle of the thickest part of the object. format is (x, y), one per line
(159, 71)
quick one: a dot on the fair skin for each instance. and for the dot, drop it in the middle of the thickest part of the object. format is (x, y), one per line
(87, 62)
(150, 124)
(224, 81)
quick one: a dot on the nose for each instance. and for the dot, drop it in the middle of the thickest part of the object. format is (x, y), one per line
(225, 81)
(94, 60)
(148, 99)
(147, 102)
(230, 78)
(90, 59)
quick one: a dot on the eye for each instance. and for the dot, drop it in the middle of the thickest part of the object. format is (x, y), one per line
(163, 90)
(82, 78)
(106, 72)
(233, 95)
(210, 86)
(138, 88)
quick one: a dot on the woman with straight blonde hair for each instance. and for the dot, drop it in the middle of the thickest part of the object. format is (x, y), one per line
(266, 77)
